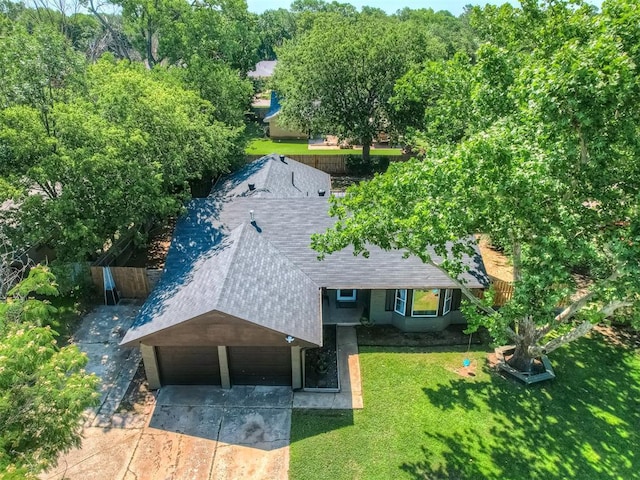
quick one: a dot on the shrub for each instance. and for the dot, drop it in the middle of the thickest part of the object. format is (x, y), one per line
(357, 166)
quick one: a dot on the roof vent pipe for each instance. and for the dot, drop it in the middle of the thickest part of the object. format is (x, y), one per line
(282, 159)
(321, 192)
(253, 219)
(252, 186)
(292, 182)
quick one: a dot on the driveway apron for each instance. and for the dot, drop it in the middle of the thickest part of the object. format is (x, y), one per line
(203, 432)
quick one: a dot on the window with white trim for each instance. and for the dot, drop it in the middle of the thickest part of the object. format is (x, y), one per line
(348, 295)
(425, 303)
(401, 302)
(446, 306)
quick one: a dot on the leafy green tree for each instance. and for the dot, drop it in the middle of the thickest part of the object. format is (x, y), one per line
(217, 43)
(338, 78)
(553, 178)
(221, 31)
(320, 6)
(435, 102)
(124, 152)
(274, 27)
(455, 33)
(44, 388)
(308, 11)
(144, 20)
(36, 66)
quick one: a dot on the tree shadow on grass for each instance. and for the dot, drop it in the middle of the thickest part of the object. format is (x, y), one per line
(309, 423)
(585, 424)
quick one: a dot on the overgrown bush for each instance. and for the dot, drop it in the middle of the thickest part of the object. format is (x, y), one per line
(356, 165)
(73, 279)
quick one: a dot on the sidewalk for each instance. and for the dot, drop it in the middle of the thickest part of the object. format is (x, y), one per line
(350, 395)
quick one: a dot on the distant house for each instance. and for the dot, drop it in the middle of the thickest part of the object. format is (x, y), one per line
(263, 69)
(243, 295)
(269, 110)
(276, 131)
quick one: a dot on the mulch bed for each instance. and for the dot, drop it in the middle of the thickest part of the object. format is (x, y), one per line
(328, 379)
(390, 336)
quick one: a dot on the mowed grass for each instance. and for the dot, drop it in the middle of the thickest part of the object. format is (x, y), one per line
(423, 421)
(265, 146)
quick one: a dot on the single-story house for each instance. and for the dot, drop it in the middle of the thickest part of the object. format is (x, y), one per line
(277, 131)
(243, 295)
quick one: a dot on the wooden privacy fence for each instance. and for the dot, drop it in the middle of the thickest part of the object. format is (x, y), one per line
(131, 282)
(504, 292)
(332, 164)
(335, 164)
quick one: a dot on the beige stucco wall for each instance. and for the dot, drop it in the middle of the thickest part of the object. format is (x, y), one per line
(296, 368)
(276, 131)
(223, 360)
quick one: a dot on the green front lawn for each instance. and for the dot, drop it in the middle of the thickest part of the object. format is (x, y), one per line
(423, 421)
(265, 146)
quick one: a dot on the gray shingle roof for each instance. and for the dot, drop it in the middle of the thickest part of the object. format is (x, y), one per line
(239, 274)
(288, 225)
(272, 178)
(265, 271)
(263, 69)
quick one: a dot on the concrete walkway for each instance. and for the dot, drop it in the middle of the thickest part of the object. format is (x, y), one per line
(98, 336)
(350, 395)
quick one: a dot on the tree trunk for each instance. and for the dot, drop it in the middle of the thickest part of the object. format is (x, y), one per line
(366, 150)
(522, 359)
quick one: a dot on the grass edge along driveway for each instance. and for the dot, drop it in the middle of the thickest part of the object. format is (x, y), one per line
(423, 421)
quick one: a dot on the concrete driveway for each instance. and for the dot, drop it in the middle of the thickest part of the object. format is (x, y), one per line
(189, 432)
(99, 336)
(200, 433)
(211, 433)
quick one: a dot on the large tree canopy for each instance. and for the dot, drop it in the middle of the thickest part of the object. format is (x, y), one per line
(118, 153)
(337, 78)
(550, 172)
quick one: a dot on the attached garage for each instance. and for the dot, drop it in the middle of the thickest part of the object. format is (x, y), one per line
(188, 365)
(259, 365)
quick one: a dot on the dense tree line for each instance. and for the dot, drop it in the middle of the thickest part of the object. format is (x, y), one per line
(338, 69)
(97, 142)
(95, 149)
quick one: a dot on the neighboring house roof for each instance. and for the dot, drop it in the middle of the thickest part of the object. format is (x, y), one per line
(247, 253)
(274, 107)
(263, 69)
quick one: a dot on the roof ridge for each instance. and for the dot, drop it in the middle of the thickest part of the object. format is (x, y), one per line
(277, 258)
(274, 248)
(234, 245)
